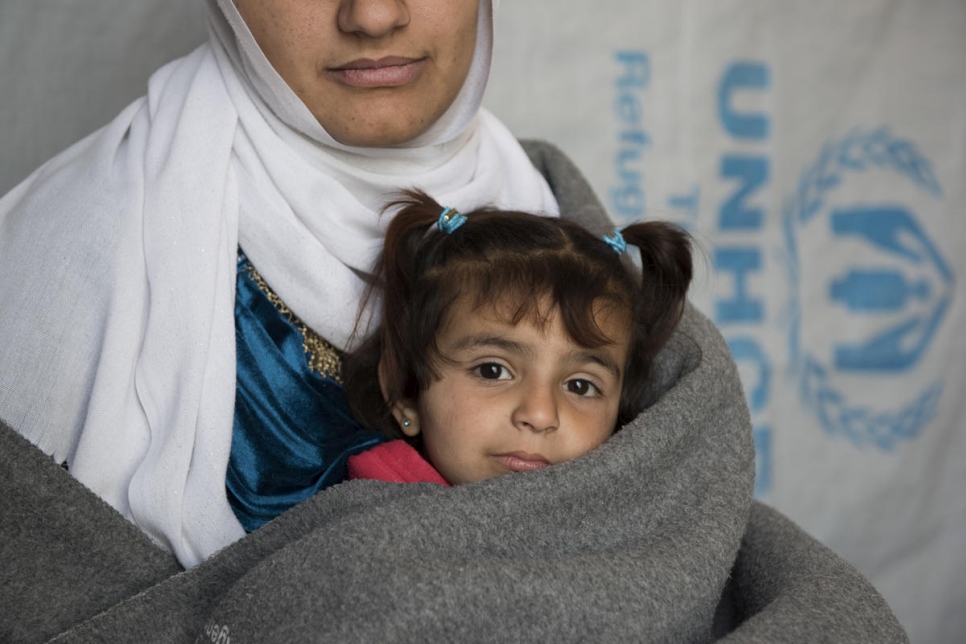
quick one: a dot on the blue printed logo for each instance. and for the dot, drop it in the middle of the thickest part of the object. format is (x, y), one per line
(889, 277)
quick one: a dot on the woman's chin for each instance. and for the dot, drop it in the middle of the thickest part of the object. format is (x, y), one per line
(381, 121)
(376, 137)
(375, 134)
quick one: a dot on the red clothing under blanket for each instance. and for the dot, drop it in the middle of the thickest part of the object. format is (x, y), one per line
(397, 462)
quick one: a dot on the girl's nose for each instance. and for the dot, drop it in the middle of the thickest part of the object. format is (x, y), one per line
(537, 410)
(373, 18)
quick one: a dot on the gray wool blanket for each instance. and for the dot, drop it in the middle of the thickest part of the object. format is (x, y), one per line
(653, 537)
(633, 542)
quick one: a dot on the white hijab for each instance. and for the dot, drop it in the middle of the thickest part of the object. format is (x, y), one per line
(117, 260)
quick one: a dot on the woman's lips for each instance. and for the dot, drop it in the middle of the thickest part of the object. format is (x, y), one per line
(521, 462)
(392, 71)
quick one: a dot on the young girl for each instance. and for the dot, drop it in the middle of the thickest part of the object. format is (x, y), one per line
(508, 341)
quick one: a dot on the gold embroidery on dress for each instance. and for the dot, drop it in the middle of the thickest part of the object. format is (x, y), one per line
(324, 358)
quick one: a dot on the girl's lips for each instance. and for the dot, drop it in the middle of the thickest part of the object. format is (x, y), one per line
(521, 462)
(392, 71)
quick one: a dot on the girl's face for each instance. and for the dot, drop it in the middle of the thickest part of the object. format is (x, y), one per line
(516, 398)
(373, 72)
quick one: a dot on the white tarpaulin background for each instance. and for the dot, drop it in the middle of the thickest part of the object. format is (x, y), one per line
(818, 152)
(816, 149)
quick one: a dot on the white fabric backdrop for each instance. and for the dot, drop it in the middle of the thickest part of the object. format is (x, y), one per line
(817, 149)
(68, 66)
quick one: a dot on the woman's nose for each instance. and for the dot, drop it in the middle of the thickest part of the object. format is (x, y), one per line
(373, 18)
(537, 410)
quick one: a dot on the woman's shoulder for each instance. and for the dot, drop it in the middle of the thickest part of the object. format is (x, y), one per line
(576, 197)
(552, 162)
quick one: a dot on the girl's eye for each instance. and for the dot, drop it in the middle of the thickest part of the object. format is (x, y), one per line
(582, 387)
(492, 371)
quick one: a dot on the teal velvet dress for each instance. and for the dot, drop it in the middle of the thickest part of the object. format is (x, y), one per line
(293, 431)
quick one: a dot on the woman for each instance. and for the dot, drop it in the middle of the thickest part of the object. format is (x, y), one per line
(282, 137)
(122, 345)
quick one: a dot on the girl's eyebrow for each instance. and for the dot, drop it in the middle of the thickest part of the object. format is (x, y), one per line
(491, 340)
(596, 357)
(580, 356)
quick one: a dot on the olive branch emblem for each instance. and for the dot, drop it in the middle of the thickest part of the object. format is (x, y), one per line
(858, 151)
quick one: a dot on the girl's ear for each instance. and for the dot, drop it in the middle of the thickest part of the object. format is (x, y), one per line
(407, 416)
(404, 411)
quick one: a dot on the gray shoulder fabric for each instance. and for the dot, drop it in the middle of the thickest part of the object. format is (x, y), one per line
(577, 199)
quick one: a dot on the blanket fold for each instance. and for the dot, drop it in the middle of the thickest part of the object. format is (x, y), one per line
(785, 588)
(65, 554)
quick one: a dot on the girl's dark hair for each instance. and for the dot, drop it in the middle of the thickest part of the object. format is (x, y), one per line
(515, 259)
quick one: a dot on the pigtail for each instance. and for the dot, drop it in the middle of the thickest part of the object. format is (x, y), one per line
(383, 353)
(666, 272)
(405, 237)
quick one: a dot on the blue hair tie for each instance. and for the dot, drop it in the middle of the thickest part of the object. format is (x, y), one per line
(449, 220)
(616, 241)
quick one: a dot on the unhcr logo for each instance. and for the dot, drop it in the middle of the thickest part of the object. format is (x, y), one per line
(868, 287)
